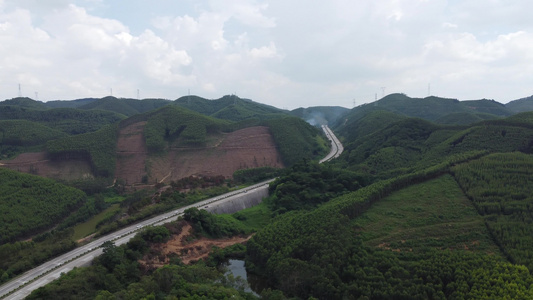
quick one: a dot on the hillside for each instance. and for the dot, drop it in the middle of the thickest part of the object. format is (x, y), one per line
(320, 115)
(521, 105)
(30, 204)
(230, 107)
(69, 120)
(164, 145)
(413, 208)
(125, 106)
(435, 109)
(442, 217)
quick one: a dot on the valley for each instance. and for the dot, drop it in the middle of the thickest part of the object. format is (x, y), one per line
(424, 198)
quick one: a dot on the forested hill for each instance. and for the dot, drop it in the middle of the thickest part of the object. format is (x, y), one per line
(444, 213)
(442, 110)
(321, 115)
(521, 105)
(230, 107)
(125, 106)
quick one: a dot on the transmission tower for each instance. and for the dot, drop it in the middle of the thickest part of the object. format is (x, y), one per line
(20, 91)
(382, 91)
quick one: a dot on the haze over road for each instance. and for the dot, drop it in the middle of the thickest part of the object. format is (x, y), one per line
(51, 270)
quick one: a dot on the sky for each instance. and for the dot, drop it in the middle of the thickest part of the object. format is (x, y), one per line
(284, 53)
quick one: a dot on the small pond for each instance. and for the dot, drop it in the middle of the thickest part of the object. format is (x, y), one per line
(236, 268)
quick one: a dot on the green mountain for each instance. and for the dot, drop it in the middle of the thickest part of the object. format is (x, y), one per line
(124, 106)
(437, 109)
(521, 105)
(320, 115)
(230, 107)
(23, 102)
(443, 211)
(464, 118)
(69, 103)
(430, 200)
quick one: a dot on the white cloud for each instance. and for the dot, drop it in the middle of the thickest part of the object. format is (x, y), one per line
(280, 52)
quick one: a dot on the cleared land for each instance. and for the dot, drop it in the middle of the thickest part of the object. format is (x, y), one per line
(183, 245)
(37, 163)
(224, 154)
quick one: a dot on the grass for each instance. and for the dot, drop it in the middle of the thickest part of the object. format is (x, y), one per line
(256, 217)
(114, 199)
(84, 229)
(434, 214)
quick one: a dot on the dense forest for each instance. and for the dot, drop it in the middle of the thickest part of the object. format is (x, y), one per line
(44, 199)
(431, 199)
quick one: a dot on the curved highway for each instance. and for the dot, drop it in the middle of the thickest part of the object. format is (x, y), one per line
(23, 285)
(336, 146)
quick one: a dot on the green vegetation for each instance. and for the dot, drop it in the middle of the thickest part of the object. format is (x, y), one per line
(230, 108)
(99, 147)
(321, 115)
(320, 254)
(17, 136)
(117, 274)
(521, 105)
(256, 217)
(433, 108)
(432, 214)
(464, 118)
(295, 139)
(499, 186)
(211, 225)
(124, 106)
(411, 210)
(31, 204)
(172, 124)
(82, 230)
(306, 185)
(26, 133)
(255, 175)
(69, 120)
(18, 257)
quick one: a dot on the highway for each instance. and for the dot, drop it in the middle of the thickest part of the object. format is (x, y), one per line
(336, 146)
(23, 285)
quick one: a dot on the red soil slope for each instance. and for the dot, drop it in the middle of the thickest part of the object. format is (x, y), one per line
(38, 164)
(224, 154)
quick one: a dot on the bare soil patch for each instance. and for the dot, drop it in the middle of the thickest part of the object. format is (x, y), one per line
(224, 154)
(37, 163)
(131, 154)
(187, 250)
(246, 148)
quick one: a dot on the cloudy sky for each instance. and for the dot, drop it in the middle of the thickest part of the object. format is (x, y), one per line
(285, 53)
